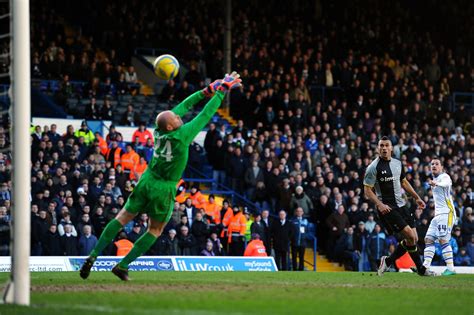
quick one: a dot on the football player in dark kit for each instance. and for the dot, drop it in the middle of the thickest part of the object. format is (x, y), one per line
(383, 183)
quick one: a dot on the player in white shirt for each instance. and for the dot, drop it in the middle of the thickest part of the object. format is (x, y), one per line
(443, 221)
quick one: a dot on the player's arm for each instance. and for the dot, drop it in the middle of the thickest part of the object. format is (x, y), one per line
(442, 181)
(409, 189)
(190, 130)
(185, 106)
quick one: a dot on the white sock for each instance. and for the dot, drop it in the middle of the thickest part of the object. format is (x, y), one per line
(428, 254)
(448, 255)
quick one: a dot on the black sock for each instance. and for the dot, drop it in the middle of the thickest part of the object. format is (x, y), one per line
(413, 251)
(399, 252)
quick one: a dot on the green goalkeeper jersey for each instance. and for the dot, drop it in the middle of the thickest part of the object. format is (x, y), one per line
(171, 148)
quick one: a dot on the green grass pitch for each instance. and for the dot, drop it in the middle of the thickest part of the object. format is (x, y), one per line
(247, 293)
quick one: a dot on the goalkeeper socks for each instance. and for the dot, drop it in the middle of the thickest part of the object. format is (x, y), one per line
(428, 254)
(139, 248)
(399, 252)
(106, 237)
(448, 255)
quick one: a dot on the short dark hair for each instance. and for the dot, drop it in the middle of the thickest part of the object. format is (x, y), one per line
(384, 138)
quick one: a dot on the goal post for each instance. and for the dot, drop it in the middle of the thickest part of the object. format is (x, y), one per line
(18, 290)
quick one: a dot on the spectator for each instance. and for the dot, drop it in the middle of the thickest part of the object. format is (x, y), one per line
(200, 231)
(186, 242)
(281, 233)
(298, 244)
(361, 238)
(470, 249)
(142, 134)
(69, 241)
(376, 247)
(130, 117)
(337, 222)
(87, 241)
(208, 250)
(255, 247)
(86, 133)
(169, 244)
(123, 245)
(467, 226)
(463, 259)
(4, 232)
(266, 237)
(252, 176)
(217, 247)
(52, 242)
(301, 200)
(345, 251)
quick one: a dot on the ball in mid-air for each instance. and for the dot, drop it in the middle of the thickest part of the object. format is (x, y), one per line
(166, 67)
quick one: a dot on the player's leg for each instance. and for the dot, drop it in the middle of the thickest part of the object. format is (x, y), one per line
(143, 244)
(446, 225)
(431, 236)
(412, 249)
(108, 234)
(394, 223)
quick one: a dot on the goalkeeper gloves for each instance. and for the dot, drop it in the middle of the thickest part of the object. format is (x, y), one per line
(211, 88)
(230, 81)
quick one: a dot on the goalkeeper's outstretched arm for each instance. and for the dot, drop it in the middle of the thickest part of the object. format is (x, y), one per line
(185, 106)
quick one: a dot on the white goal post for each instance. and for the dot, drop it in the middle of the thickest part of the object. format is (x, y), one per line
(18, 289)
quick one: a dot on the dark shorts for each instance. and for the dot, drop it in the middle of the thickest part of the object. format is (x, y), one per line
(397, 219)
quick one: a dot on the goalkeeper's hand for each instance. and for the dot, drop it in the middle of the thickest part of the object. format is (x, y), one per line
(211, 88)
(230, 81)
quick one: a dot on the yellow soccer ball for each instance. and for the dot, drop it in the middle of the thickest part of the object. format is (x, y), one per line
(166, 67)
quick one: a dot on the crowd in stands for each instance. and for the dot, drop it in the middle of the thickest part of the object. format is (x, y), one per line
(297, 153)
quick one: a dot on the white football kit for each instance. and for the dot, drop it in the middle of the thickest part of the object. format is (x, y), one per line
(445, 215)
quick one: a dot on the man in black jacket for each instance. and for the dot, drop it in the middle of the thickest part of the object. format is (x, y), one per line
(281, 234)
(52, 242)
(218, 161)
(200, 231)
(68, 242)
(266, 238)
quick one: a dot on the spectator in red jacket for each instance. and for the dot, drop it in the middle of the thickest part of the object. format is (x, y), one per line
(142, 133)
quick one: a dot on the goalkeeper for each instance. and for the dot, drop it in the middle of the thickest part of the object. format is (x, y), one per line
(156, 190)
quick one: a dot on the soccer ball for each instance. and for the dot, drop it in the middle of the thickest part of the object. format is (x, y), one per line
(166, 67)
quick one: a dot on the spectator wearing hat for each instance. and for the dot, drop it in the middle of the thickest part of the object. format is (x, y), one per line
(255, 248)
(86, 133)
(298, 245)
(249, 223)
(281, 233)
(136, 232)
(301, 200)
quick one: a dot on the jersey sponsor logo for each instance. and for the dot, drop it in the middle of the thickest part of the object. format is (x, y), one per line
(387, 179)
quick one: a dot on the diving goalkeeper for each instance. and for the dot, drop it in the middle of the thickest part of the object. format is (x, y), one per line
(156, 189)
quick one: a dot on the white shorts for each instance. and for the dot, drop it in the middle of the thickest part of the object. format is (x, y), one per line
(440, 227)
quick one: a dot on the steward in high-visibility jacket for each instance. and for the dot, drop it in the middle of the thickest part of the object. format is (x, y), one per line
(249, 224)
(140, 168)
(199, 201)
(255, 247)
(86, 133)
(124, 246)
(213, 210)
(181, 191)
(129, 161)
(102, 143)
(237, 225)
(114, 154)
